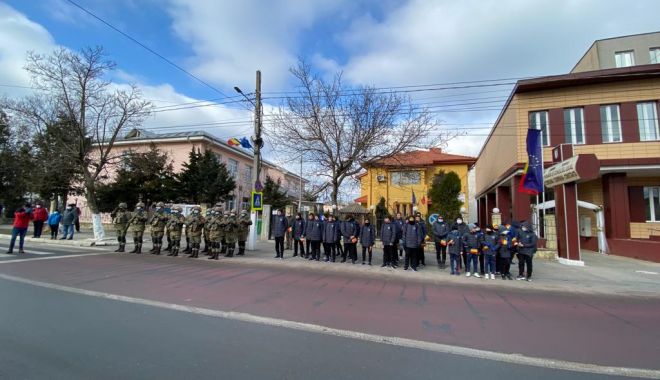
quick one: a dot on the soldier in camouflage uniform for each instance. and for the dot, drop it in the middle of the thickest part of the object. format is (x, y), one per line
(120, 217)
(223, 233)
(231, 233)
(207, 226)
(195, 223)
(215, 232)
(157, 222)
(137, 226)
(244, 223)
(174, 227)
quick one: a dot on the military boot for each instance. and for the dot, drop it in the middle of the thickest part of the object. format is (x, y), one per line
(153, 245)
(135, 246)
(196, 253)
(139, 248)
(175, 251)
(157, 251)
(121, 247)
(230, 252)
(241, 251)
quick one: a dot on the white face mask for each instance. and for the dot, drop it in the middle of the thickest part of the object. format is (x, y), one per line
(68, 208)
(139, 208)
(459, 221)
(524, 229)
(38, 206)
(441, 220)
(157, 208)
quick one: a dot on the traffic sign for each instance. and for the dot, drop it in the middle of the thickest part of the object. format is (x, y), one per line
(433, 218)
(257, 203)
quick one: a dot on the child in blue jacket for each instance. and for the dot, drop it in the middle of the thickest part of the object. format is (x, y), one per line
(54, 220)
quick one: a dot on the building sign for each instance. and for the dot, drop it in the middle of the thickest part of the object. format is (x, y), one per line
(582, 167)
(257, 201)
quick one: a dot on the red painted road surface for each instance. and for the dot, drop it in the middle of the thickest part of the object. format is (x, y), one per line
(615, 331)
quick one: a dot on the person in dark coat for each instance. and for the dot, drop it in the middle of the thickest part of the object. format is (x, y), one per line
(491, 245)
(399, 222)
(280, 225)
(388, 235)
(455, 249)
(314, 233)
(367, 239)
(440, 231)
(350, 230)
(505, 251)
(69, 218)
(422, 224)
(412, 237)
(462, 229)
(472, 243)
(527, 245)
(40, 215)
(298, 235)
(330, 238)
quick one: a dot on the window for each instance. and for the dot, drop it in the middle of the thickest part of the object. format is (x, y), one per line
(539, 120)
(655, 55)
(652, 200)
(574, 125)
(624, 58)
(610, 123)
(647, 117)
(232, 167)
(247, 174)
(218, 156)
(406, 178)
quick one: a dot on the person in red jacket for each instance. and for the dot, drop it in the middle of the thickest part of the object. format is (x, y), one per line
(22, 218)
(40, 216)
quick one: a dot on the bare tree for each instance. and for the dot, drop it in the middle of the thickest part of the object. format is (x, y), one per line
(336, 128)
(75, 85)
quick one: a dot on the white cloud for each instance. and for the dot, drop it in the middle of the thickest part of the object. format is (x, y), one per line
(231, 40)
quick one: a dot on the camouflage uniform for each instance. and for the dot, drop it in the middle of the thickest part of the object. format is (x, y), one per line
(223, 233)
(174, 227)
(120, 217)
(157, 222)
(207, 226)
(215, 230)
(231, 233)
(195, 226)
(244, 223)
(137, 226)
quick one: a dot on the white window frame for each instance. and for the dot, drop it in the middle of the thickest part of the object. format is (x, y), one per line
(611, 123)
(654, 196)
(406, 177)
(618, 58)
(536, 120)
(574, 126)
(654, 55)
(233, 170)
(648, 123)
(247, 174)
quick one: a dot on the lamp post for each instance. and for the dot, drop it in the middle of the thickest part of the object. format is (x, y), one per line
(256, 162)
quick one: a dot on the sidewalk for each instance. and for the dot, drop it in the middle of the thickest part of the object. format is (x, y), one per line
(84, 238)
(602, 274)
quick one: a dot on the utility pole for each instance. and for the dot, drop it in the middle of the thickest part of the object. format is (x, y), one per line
(301, 185)
(256, 162)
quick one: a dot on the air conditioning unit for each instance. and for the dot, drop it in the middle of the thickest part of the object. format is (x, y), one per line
(381, 178)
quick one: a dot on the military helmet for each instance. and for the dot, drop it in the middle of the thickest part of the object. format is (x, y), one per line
(218, 204)
(197, 208)
(123, 205)
(140, 204)
(244, 212)
(209, 211)
(160, 204)
(178, 208)
(217, 209)
(226, 213)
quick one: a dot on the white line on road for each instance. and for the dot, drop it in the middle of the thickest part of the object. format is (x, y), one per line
(645, 272)
(53, 257)
(394, 341)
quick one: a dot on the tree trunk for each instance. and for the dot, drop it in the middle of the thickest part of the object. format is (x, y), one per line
(334, 195)
(97, 225)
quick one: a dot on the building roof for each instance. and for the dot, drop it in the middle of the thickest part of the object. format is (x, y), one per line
(429, 157)
(354, 208)
(139, 135)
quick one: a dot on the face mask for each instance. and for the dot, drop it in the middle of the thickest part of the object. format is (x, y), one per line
(38, 206)
(524, 229)
(297, 217)
(195, 212)
(175, 212)
(139, 208)
(68, 208)
(459, 221)
(441, 220)
(411, 222)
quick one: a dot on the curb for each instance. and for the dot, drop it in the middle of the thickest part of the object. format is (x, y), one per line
(89, 242)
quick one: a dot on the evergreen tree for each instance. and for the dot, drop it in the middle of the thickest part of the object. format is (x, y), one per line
(14, 167)
(381, 213)
(204, 179)
(444, 195)
(273, 195)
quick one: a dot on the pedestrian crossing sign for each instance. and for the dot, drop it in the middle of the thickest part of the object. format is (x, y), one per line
(257, 201)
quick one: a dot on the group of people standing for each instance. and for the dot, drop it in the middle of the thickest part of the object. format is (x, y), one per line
(220, 231)
(478, 252)
(40, 216)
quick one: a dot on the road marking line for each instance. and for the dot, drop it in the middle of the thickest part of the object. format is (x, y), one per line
(393, 341)
(645, 272)
(54, 257)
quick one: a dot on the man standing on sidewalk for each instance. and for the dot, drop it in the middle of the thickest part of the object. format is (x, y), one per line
(440, 232)
(40, 216)
(69, 219)
(157, 223)
(22, 218)
(244, 223)
(280, 225)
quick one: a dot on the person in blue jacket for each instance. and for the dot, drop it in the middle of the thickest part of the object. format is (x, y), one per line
(491, 244)
(455, 249)
(388, 235)
(505, 252)
(413, 237)
(330, 238)
(54, 223)
(367, 239)
(280, 226)
(527, 245)
(350, 230)
(314, 233)
(298, 234)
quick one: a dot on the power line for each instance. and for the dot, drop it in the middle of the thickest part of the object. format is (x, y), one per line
(146, 48)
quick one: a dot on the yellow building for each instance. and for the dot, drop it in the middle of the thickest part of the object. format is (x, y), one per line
(396, 179)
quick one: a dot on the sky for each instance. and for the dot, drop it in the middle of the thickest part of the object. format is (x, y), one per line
(379, 43)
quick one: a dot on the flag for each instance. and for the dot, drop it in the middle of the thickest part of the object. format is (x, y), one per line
(532, 178)
(424, 199)
(233, 142)
(245, 143)
(414, 200)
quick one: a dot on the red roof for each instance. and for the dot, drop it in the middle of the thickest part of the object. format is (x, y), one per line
(362, 199)
(429, 157)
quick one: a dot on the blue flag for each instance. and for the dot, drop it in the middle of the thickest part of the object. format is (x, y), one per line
(532, 179)
(245, 143)
(414, 200)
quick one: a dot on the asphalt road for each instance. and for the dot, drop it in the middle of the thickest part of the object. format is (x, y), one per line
(57, 335)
